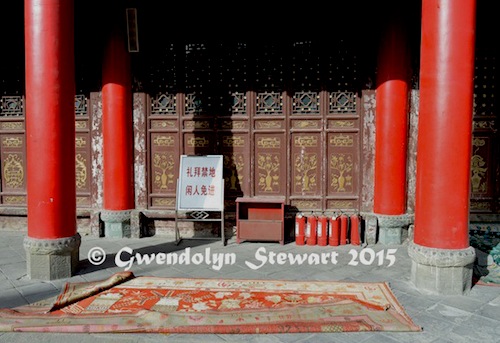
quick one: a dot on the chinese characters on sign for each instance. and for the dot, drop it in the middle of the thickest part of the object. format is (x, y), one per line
(200, 186)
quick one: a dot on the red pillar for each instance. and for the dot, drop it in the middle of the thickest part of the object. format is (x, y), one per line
(52, 245)
(392, 121)
(50, 118)
(117, 129)
(445, 124)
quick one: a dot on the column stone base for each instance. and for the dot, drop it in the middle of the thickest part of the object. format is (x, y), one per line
(371, 225)
(136, 224)
(391, 226)
(442, 271)
(116, 223)
(52, 259)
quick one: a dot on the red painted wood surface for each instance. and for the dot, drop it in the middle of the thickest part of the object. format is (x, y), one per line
(391, 140)
(117, 130)
(260, 219)
(50, 118)
(445, 123)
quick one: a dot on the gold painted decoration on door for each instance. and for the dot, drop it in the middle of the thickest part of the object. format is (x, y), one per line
(80, 124)
(268, 124)
(163, 141)
(341, 166)
(13, 171)
(306, 124)
(341, 140)
(484, 125)
(163, 124)
(198, 142)
(478, 168)
(340, 124)
(269, 143)
(197, 124)
(306, 141)
(164, 171)
(342, 204)
(14, 199)
(163, 202)
(233, 124)
(233, 142)
(305, 204)
(12, 125)
(81, 171)
(12, 142)
(233, 164)
(305, 176)
(268, 166)
(80, 142)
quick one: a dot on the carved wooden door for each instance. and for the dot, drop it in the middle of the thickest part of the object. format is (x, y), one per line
(284, 114)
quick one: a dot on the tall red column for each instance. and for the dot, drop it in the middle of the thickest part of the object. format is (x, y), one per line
(391, 132)
(50, 139)
(117, 130)
(445, 124)
(441, 251)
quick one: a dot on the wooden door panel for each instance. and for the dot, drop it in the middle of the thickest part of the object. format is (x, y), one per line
(270, 164)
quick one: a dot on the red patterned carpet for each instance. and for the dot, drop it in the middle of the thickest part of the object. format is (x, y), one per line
(125, 303)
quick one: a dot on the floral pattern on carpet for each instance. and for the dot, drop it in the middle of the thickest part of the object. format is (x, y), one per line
(183, 305)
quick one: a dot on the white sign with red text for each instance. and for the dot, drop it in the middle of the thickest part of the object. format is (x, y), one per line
(200, 185)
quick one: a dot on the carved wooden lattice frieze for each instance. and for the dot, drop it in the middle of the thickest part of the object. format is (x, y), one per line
(239, 105)
(342, 102)
(164, 104)
(12, 106)
(194, 104)
(306, 103)
(12, 151)
(269, 103)
(80, 105)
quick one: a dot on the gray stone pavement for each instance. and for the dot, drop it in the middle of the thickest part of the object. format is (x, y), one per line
(471, 318)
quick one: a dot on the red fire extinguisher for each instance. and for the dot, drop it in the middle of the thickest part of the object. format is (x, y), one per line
(343, 229)
(322, 230)
(334, 232)
(311, 230)
(300, 229)
(355, 235)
